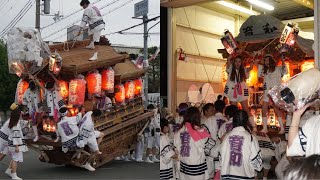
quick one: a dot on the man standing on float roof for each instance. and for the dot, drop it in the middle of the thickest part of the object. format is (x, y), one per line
(93, 18)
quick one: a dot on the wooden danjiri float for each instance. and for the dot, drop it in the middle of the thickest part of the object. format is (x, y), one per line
(113, 73)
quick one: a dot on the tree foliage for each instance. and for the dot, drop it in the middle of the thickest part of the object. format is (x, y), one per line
(8, 82)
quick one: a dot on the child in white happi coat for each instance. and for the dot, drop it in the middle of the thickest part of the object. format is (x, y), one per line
(156, 128)
(236, 89)
(167, 153)
(193, 144)
(92, 17)
(150, 137)
(240, 152)
(32, 100)
(53, 99)
(87, 136)
(209, 122)
(227, 126)
(16, 144)
(272, 75)
(67, 131)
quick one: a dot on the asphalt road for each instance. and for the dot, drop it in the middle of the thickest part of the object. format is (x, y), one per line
(32, 168)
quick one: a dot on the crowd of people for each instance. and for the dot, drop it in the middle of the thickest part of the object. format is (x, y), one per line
(220, 140)
(205, 143)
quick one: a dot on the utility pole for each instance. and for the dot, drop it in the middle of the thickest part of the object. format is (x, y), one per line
(145, 46)
(38, 15)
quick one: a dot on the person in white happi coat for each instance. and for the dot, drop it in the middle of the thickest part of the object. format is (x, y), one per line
(16, 143)
(236, 89)
(156, 128)
(267, 151)
(219, 106)
(281, 146)
(209, 122)
(240, 152)
(167, 153)
(87, 136)
(227, 126)
(303, 141)
(67, 130)
(32, 100)
(272, 76)
(104, 102)
(193, 144)
(92, 16)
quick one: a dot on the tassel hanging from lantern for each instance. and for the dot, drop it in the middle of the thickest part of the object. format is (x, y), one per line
(77, 90)
(107, 81)
(21, 88)
(94, 83)
(138, 87)
(120, 94)
(129, 90)
(63, 88)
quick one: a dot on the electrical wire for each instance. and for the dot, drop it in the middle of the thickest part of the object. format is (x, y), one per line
(19, 16)
(134, 26)
(79, 10)
(3, 4)
(10, 8)
(66, 27)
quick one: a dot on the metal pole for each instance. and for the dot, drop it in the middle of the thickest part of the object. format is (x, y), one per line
(316, 32)
(38, 14)
(145, 46)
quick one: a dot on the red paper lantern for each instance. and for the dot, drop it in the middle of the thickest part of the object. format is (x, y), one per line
(21, 88)
(120, 95)
(108, 80)
(130, 89)
(63, 88)
(94, 83)
(138, 87)
(77, 90)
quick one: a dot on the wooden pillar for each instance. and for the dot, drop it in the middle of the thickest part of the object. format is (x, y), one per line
(172, 63)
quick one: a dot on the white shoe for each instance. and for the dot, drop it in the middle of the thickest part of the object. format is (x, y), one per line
(154, 159)
(139, 160)
(148, 160)
(88, 167)
(126, 158)
(15, 177)
(94, 57)
(91, 45)
(132, 158)
(36, 139)
(117, 158)
(8, 172)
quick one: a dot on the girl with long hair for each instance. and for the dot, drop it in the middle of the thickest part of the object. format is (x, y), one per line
(272, 75)
(16, 144)
(193, 144)
(236, 89)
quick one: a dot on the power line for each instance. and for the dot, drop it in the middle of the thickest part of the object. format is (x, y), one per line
(79, 10)
(19, 16)
(134, 26)
(10, 8)
(4, 4)
(66, 27)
